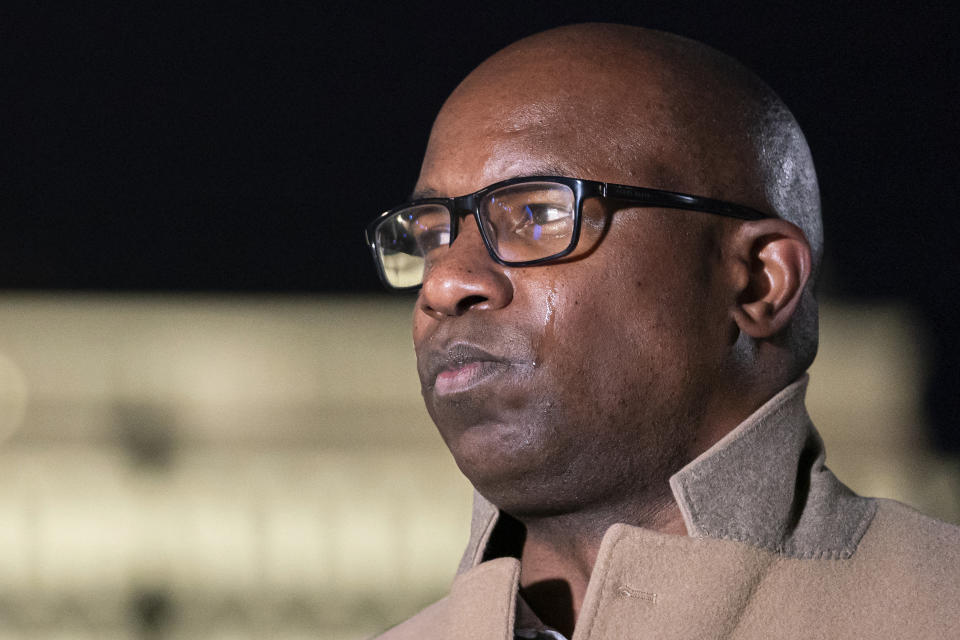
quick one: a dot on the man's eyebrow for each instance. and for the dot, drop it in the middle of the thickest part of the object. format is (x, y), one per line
(547, 169)
(426, 192)
(538, 170)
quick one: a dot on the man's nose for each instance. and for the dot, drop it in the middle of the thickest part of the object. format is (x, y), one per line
(464, 277)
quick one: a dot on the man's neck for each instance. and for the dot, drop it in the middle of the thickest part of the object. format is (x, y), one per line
(559, 554)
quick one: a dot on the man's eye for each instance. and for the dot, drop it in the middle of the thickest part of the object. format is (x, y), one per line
(542, 220)
(433, 238)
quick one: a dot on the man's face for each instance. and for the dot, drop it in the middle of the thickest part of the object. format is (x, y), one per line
(574, 383)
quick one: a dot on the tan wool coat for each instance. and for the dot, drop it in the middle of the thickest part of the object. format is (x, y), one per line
(777, 547)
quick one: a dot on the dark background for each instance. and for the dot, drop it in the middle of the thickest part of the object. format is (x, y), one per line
(242, 147)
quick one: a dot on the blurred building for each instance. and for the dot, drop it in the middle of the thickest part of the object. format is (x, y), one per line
(201, 467)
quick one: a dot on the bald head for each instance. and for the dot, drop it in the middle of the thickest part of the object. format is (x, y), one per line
(635, 106)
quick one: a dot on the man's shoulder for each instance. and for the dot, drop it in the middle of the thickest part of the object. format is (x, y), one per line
(426, 624)
(481, 604)
(901, 534)
(902, 581)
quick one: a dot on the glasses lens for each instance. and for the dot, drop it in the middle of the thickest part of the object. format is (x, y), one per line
(406, 238)
(530, 220)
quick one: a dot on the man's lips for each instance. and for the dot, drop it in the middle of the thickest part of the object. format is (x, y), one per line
(464, 377)
(461, 366)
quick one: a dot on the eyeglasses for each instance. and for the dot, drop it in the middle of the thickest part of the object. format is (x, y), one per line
(523, 222)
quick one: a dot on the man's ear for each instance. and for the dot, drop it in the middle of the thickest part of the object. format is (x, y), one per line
(772, 263)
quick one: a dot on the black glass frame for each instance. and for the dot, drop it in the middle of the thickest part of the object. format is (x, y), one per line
(461, 206)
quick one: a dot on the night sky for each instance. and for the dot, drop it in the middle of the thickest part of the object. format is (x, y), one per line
(241, 148)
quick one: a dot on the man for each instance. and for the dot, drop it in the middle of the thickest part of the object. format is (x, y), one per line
(612, 333)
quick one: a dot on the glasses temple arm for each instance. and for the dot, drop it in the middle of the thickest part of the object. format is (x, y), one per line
(674, 200)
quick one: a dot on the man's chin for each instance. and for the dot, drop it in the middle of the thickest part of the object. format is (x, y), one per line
(504, 462)
(493, 442)
(525, 493)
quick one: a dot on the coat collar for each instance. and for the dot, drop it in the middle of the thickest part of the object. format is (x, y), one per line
(764, 483)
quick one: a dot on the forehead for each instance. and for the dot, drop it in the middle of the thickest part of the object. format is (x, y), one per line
(544, 126)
